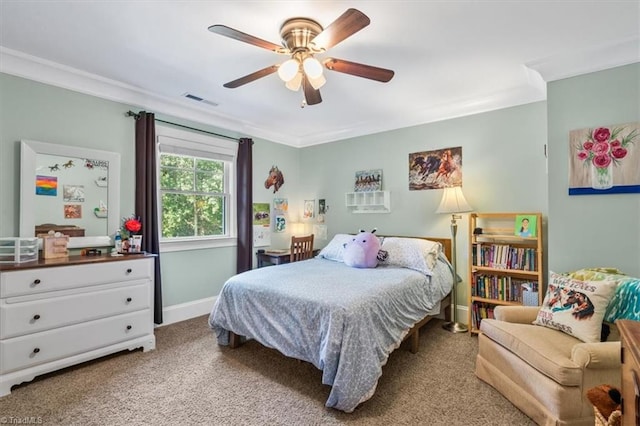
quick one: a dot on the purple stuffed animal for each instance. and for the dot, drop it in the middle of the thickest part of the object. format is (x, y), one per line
(362, 251)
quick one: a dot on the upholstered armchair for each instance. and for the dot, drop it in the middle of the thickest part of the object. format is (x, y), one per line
(542, 371)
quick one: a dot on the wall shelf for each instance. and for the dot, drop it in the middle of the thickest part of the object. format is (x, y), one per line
(368, 202)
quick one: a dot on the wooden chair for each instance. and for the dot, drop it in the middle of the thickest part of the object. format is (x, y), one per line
(301, 248)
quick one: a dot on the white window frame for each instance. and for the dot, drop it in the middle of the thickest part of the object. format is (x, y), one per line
(172, 140)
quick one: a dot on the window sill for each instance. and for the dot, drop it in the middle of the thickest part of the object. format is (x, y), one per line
(196, 244)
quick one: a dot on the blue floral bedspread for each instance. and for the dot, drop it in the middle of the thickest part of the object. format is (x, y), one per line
(345, 321)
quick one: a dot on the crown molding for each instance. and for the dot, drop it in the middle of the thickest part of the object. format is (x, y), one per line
(537, 74)
(596, 58)
(43, 71)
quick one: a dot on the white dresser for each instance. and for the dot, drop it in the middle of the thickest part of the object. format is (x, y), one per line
(59, 312)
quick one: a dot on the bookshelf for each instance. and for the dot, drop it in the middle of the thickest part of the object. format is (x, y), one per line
(504, 268)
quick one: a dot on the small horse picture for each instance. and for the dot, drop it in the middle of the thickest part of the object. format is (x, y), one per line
(275, 179)
(582, 307)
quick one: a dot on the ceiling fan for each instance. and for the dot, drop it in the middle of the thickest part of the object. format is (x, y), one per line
(302, 38)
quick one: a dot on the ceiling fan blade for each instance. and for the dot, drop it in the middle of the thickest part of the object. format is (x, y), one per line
(239, 35)
(360, 70)
(311, 95)
(251, 77)
(347, 24)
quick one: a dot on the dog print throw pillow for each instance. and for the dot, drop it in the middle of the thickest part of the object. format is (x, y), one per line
(576, 307)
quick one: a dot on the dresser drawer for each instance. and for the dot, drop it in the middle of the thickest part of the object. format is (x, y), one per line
(43, 314)
(31, 281)
(38, 348)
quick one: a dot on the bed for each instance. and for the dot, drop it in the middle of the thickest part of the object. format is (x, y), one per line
(345, 321)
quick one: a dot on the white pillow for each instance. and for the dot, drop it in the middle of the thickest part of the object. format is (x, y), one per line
(576, 307)
(335, 249)
(413, 253)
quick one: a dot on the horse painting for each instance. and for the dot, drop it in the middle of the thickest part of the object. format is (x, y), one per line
(275, 179)
(435, 169)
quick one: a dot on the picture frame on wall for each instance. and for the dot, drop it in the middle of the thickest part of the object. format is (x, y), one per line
(73, 193)
(604, 160)
(46, 185)
(437, 169)
(368, 180)
(280, 223)
(72, 211)
(308, 211)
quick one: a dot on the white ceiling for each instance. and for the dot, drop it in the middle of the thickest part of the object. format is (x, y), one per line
(451, 58)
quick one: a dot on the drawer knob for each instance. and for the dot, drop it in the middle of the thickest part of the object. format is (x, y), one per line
(36, 281)
(129, 327)
(129, 271)
(36, 350)
(129, 299)
(36, 317)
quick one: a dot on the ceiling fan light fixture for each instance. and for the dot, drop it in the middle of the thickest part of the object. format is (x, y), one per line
(295, 83)
(288, 70)
(317, 82)
(312, 67)
(302, 38)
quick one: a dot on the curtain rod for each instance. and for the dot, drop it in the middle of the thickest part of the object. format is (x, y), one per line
(136, 116)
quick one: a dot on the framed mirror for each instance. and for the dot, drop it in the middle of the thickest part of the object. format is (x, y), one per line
(69, 189)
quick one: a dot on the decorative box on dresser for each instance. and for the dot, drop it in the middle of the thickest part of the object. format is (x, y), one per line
(59, 312)
(630, 339)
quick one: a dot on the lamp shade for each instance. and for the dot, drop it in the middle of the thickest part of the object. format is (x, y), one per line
(312, 67)
(318, 82)
(453, 201)
(288, 70)
(294, 83)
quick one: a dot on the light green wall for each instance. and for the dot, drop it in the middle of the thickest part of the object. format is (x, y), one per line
(591, 230)
(504, 169)
(31, 110)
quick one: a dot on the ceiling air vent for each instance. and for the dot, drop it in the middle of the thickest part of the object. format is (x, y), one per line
(199, 99)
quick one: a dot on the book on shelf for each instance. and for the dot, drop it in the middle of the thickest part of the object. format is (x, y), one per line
(480, 311)
(503, 288)
(503, 256)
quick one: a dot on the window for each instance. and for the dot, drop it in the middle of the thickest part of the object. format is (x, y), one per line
(196, 201)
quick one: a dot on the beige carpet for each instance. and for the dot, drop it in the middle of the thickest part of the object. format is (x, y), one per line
(189, 379)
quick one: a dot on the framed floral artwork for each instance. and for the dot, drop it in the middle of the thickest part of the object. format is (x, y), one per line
(604, 160)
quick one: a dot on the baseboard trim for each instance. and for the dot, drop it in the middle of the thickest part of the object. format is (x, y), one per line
(184, 311)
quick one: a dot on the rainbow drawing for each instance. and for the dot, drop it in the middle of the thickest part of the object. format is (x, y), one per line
(46, 185)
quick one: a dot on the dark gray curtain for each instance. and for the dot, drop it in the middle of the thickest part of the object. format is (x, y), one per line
(147, 198)
(245, 208)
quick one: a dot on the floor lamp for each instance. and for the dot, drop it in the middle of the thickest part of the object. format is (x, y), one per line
(453, 202)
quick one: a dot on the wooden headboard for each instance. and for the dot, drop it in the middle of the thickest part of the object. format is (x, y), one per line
(446, 245)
